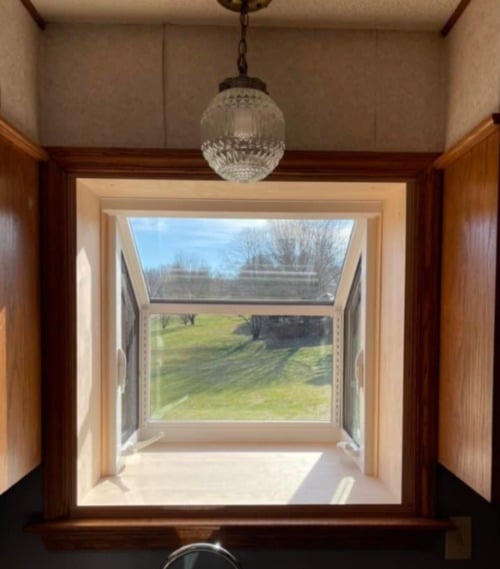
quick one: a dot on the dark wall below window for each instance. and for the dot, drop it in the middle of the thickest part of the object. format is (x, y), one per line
(18, 549)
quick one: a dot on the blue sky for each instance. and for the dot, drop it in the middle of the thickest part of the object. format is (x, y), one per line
(159, 240)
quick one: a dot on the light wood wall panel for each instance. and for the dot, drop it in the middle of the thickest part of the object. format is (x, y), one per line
(468, 306)
(20, 414)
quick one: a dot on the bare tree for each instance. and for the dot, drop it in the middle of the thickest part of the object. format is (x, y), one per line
(155, 278)
(188, 318)
(255, 323)
(185, 279)
(290, 258)
(164, 320)
(310, 252)
(283, 259)
(188, 278)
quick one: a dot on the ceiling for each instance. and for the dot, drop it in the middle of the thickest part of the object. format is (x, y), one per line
(348, 14)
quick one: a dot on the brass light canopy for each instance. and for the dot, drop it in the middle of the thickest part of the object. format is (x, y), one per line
(242, 129)
(236, 5)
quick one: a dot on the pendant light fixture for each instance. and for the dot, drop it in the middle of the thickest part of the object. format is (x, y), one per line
(242, 129)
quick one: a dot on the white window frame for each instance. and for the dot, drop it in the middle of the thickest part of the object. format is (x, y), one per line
(241, 431)
(321, 432)
(120, 243)
(364, 249)
(238, 431)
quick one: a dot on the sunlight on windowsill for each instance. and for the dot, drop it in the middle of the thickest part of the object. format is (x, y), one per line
(194, 475)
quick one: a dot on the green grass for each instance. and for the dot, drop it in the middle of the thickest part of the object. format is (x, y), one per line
(215, 371)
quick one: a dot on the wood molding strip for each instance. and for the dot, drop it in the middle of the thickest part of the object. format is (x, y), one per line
(476, 135)
(58, 280)
(12, 135)
(453, 19)
(34, 13)
(422, 321)
(190, 164)
(157, 533)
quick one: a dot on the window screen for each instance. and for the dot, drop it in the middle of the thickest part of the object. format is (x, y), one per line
(130, 345)
(352, 346)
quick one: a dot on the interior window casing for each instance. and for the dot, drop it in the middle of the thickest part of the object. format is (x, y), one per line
(62, 514)
(363, 251)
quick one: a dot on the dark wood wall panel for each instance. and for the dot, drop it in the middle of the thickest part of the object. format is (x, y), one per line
(20, 406)
(468, 300)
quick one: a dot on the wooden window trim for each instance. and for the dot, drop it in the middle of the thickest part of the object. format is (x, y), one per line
(64, 525)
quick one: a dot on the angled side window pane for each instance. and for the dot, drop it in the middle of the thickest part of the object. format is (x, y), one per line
(130, 347)
(352, 354)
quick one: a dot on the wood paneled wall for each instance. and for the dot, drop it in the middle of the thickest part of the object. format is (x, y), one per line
(469, 300)
(20, 407)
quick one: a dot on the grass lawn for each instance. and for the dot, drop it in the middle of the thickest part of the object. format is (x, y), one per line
(215, 371)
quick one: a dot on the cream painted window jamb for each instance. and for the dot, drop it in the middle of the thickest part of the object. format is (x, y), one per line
(111, 460)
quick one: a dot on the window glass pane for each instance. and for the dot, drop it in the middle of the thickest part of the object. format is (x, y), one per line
(352, 347)
(242, 259)
(130, 345)
(211, 367)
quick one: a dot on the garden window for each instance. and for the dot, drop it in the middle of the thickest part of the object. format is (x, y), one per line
(308, 500)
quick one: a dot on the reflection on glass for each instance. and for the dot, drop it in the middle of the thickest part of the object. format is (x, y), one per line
(242, 259)
(212, 367)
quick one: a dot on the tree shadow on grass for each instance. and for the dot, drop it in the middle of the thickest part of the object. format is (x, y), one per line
(243, 347)
(295, 344)
(243, 329)
(237, 364)
(244, 367)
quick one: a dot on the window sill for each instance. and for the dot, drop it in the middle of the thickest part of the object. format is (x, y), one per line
(372, 533)
(239, 475)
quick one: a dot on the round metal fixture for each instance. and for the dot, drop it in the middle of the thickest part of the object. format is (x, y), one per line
(203, 547)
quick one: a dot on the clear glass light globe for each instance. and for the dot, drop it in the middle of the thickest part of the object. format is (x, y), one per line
(243, 134)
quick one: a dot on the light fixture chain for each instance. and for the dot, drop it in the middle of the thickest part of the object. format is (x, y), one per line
(242, 46)
(243, 129)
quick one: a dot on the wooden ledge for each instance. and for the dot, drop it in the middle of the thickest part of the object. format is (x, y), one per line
(190, 164)
(482, 130)
(15, 137)
(360, 533)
